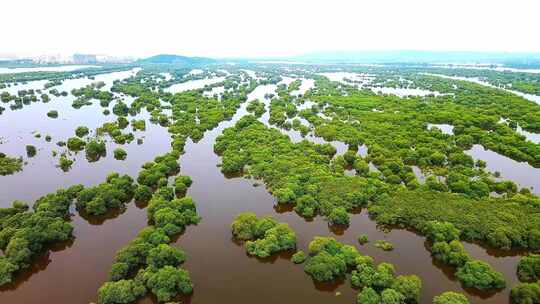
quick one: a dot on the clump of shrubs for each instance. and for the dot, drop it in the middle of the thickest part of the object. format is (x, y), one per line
(138, 124)
(82, 131)
(171, 214)
(52, 114)
(363, 239)
(114, 130)
(380, 282)
(384, 245)
(339, 216)
(450, 297)
(181, 184)
(31, 151)
(75, 144)
(299, 257)
(149, 263)
(529, 268)
(142, 193)
(65, 163)
(120, 154)
(264, 236)
(256, 107)
(162, 167)
(114, 193)
(329, 259)
(9, 165)
(120, 109)
(95, 150)
(526, 293)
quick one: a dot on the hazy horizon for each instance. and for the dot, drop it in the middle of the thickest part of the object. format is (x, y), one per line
(271, 29)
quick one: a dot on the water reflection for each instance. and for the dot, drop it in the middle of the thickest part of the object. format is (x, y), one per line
(521, 173)
(532, 137)
(445, 128)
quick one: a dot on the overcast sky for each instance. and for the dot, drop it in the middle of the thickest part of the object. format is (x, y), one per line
(234, 28)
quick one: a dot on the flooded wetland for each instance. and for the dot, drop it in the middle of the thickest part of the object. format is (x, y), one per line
(407, 159)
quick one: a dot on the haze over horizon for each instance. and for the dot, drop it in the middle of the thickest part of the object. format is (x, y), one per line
(270, 29)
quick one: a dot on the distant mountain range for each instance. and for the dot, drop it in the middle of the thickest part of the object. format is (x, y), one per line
(411, 56)
(176, 60)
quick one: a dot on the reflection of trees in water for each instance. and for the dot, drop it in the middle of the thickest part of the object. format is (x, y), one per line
(150, 298)
(497, 252)
(283, 208)
(329, 286)
(100, 219)
(281, 255)
(38, 264)
(337, 229)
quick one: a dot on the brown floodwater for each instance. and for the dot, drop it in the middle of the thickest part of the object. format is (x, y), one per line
(220, 268)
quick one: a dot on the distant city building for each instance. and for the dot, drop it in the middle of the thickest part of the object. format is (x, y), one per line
(68, 59)
(84, 59)
(51, 58)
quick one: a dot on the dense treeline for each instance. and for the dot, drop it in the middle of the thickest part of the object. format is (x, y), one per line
(60, 76)
(501, 222)
(519, 81)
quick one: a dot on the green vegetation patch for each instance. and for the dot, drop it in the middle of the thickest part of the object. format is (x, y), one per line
(264, 236)
(24, 234)
(114, 193)
(501, 222)
(529, 268)
(9, 165)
